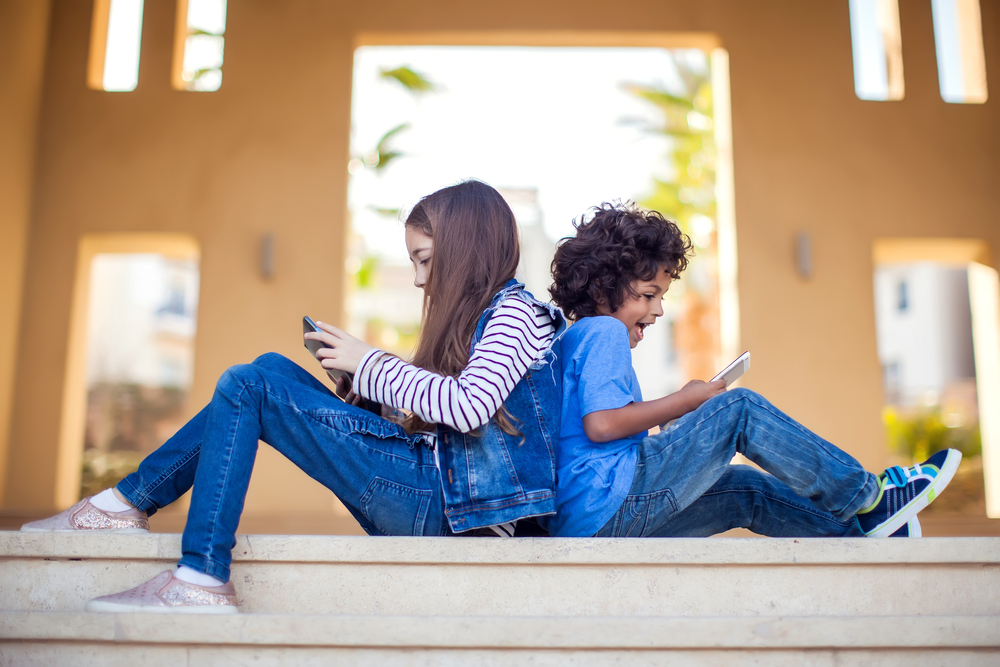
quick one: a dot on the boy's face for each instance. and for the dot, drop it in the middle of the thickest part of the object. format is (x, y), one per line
(638, 312)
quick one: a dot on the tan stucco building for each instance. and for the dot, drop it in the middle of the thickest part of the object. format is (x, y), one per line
(267, 153)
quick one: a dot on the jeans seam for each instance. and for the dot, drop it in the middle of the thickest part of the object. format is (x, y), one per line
(815, 511)
(229, 452)
(140, 501)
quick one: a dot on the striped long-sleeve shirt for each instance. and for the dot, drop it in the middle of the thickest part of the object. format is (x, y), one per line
(516, 336)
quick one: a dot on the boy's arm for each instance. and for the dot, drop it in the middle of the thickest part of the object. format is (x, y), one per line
(607, 425)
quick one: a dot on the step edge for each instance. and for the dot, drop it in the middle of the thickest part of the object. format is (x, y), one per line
(794, 632)
(522, 551)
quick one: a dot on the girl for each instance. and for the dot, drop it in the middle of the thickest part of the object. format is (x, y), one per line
(479, 412)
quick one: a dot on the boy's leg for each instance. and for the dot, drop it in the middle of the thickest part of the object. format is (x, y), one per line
(685, 460)
(743, 497)
(167, 473)
(385, 477)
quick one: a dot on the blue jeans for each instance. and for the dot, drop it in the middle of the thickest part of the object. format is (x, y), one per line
(685, 486)
(385, 477)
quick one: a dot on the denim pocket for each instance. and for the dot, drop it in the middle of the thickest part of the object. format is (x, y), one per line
(396, 509)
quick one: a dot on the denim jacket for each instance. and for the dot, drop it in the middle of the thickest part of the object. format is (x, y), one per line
(490, 477)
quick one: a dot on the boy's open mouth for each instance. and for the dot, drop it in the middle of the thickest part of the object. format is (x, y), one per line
(641, 326)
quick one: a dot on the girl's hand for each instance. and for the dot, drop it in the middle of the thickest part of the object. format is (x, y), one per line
(345, 390)
(697, 392)
(345, 351)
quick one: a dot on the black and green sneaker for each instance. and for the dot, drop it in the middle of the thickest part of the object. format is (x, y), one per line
(905, 491)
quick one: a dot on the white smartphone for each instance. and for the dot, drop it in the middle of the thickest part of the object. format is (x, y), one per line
(733, 371)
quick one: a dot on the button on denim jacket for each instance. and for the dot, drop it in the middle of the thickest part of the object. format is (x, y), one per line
(490, 477)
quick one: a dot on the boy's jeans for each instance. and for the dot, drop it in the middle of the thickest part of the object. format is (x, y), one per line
(386, 478)
(684, 485)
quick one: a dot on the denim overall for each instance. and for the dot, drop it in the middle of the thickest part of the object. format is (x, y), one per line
(388, 479)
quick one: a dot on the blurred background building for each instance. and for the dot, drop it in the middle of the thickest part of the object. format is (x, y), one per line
(182, 180)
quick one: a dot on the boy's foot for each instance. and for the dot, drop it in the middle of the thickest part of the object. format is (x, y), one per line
(910, 529)
(905, 491)
(166, 594)
(87, 516)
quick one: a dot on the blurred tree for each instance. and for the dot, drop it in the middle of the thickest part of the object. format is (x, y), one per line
(413, 81)
(687, 196)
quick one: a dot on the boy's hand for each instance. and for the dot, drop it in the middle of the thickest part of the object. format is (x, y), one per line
(696, 392)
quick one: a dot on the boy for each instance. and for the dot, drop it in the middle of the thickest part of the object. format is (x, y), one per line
(614, 481)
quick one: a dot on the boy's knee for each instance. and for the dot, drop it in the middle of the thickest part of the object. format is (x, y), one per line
(740, 392)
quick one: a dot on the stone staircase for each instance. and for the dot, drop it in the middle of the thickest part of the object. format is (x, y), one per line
(322, 600)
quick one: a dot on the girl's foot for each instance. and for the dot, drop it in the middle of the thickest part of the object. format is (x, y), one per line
(87, 516)
(905, 491)
(166, 594)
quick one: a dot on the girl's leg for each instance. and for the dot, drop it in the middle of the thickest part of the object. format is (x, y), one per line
(385, 477)
(692, 454)
(743, 497)
(167, 473)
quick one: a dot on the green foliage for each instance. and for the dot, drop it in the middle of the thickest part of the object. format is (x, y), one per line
(409, 79)
(383, 155)
(687, 121)
(367, 272)
(916, 434)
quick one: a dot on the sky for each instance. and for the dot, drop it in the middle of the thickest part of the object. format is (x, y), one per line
(516, 117)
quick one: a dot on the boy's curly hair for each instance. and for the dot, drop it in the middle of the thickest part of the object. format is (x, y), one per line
(619, 245)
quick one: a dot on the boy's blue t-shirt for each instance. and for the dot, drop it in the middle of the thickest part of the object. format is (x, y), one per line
(593, 478)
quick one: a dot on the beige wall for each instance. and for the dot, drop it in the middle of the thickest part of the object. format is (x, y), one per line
(268, 153)
(23, 32)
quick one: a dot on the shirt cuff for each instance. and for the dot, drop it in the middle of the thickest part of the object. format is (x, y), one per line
(369, 364)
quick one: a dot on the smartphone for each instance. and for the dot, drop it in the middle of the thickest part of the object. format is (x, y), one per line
(314, 345)
(733, 371)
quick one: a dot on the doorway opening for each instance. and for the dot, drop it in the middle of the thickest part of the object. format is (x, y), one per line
(130, 361)
(937, 312)
(558, 123)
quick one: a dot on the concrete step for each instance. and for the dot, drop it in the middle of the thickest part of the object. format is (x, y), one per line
(491, 577)
(54, 638)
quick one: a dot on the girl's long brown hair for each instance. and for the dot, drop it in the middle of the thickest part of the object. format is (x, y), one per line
(476, 251)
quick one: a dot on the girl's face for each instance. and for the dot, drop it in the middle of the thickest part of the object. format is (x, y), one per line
(638, 312)
(420, 248)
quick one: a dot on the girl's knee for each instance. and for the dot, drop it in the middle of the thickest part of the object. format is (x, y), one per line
(239, 376)
(271, 360)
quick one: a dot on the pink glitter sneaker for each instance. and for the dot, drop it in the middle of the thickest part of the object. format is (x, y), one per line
(85, 516)
(166, 594)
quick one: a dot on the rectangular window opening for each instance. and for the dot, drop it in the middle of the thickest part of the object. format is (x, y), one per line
(199, 44)
(958, 40)
(878, 50)
(115, 37)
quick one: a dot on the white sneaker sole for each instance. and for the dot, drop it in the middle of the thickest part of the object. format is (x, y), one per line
(118, 608)
(932, 491)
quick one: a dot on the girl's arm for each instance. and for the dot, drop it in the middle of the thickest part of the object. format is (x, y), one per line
(608, 425)
(514, 338)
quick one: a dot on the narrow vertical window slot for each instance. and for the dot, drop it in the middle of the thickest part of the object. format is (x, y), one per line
(199, 45)
(878, 50)
(115, 38)
(958, 40)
